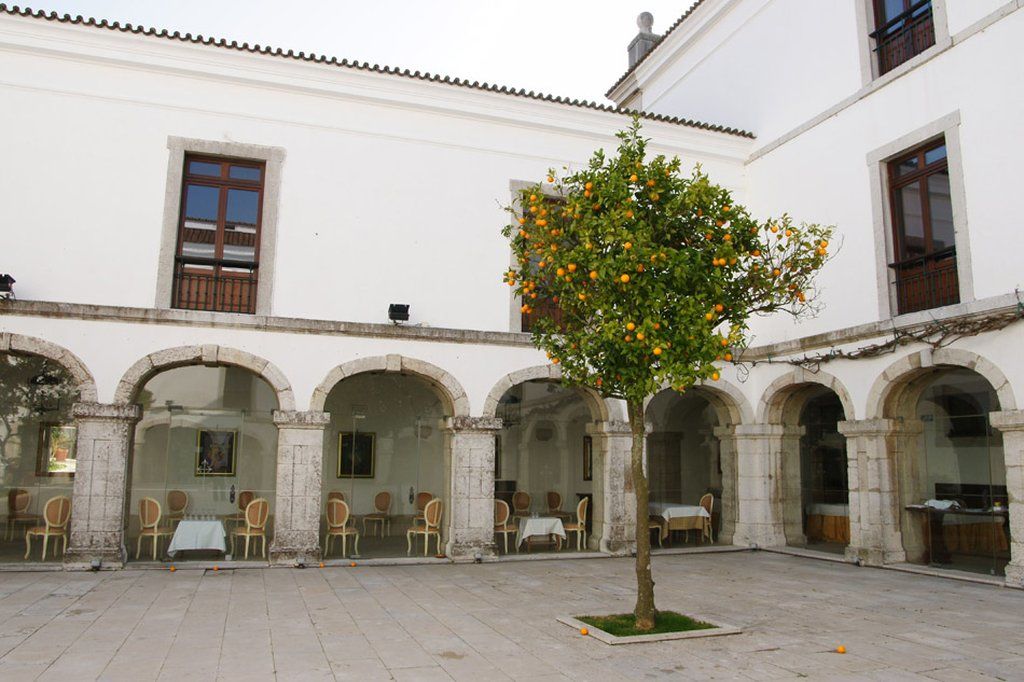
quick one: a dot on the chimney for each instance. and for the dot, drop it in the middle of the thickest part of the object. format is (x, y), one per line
(645, 39)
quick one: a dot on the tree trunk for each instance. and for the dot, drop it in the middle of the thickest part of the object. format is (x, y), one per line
(644, 611)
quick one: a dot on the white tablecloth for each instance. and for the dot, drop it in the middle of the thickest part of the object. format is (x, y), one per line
(198, 535)
(543, 525)
(671, 510)
(829, 509)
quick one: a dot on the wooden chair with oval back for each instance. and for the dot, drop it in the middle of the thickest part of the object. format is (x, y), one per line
(339, 525)
(256, 514)
(422, 499)
(580, 527)
(177, 505)
(707, 501)
(56, 515)
(501, 525)
(381, 514)
(18, 502)
(149, 522)
(554, 500)
(244, 498)
(432, 515)
(520, 504)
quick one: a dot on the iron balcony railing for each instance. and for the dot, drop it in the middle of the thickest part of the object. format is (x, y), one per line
(904, 36)
(927, 282)
(214, 284)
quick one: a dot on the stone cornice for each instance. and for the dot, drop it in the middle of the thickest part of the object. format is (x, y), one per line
(291, 419)
(132, 413)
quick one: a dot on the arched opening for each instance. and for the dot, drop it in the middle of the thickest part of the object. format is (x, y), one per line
(203, 467)
(386, 456)
(690, 473)
(951, 471)
(823, 475)
(37, 456)
(546, 465)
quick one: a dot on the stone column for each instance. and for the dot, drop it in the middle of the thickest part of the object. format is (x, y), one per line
(873, 447)
(792, 486)
(106, 434)
(1011, 423)
(614, 512)
(727, 456)
(759, 485)
(300, 454)
(471, 487)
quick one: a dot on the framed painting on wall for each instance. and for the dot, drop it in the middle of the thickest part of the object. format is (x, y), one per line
(360, 463)
(588, 458)
(215, 453)
(56, 450)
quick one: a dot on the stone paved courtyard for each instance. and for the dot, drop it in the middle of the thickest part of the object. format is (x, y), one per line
(497, 621)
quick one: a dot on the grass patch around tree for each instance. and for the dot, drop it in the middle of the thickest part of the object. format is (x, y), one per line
(624, 624)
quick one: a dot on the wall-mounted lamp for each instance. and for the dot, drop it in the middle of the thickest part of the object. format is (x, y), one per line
(398, 312)
(7, 287)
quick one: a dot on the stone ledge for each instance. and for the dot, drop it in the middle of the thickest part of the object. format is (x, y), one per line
(719, 630)
(486, 424)
(105, 411)
(292, 419)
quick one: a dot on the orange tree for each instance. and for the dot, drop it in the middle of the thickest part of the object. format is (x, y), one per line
(656, 274)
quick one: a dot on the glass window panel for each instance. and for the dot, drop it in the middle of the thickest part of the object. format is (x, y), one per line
(242, 253)
(201, 203)
(244, 173)
(910, 221)
(941, 211)
(197, 250)
(933, 155)
(242, 210)
(204, 168)
(906, 166)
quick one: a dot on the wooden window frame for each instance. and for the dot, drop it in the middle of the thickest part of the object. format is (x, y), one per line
(223, 290)
(900, 39)
(930, 279)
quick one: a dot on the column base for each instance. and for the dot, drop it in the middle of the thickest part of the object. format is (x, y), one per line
(871, 556)
(83, 560)
(746, 535)
(1014, 575)
(466, 552)
(294, 549)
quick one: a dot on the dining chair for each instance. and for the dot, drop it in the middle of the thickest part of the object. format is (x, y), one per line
(656, 523)
(707, 500)
(18, 502)
(149, 520)
(422, 499)
(580, 527)
(56, 514)
(432, 514)
(554, 500)
(501, 525)
(338, 518)
(381, 514)
(520, 504)
(177, 505)
(244, 498)
(256, 514)
(336, 495)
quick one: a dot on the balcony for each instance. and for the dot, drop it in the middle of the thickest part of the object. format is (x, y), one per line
(904, 36)
(542, 310)
(927, 282)
(216, 285)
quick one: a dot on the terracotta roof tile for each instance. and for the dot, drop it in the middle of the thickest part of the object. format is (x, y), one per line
(15, 10)
(640, 61)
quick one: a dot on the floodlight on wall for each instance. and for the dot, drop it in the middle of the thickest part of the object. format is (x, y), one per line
(7, 287)
(398, 312)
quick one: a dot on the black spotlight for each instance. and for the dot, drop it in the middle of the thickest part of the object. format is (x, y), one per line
(398, 312)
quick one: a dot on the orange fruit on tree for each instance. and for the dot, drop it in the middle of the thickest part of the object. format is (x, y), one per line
(582, 297)
(624, 279)
(728, 357)
(542, 223)
(630, 326)
(715, 377)
(726, 208)
(572, 267)
(593, 274)
(533, 198)
(633, 178)
(639, 336)
(628, 245)
(650, 183)
(709, 316)
(719, 307)
(657, 325)
(522, 221)
(657, 351)
(725, 342)
(727, 237)
(589, 185)
(550, 179)
(560, 272)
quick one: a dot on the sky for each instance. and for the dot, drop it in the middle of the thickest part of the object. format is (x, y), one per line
(571, 48)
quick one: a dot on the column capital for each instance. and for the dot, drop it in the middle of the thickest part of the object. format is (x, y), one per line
(880, 427)
(759, 430)
(292, 419)
(474, 424)
(1007, 420)
(129, 413)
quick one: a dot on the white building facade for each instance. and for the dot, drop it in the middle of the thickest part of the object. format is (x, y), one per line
(207, 238)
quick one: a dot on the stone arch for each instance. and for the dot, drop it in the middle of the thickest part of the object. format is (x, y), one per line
(891, 387)
(154, 363)
(30, 345)
(601, 410)
(771, 407)
(727, 399)
(447, 385)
